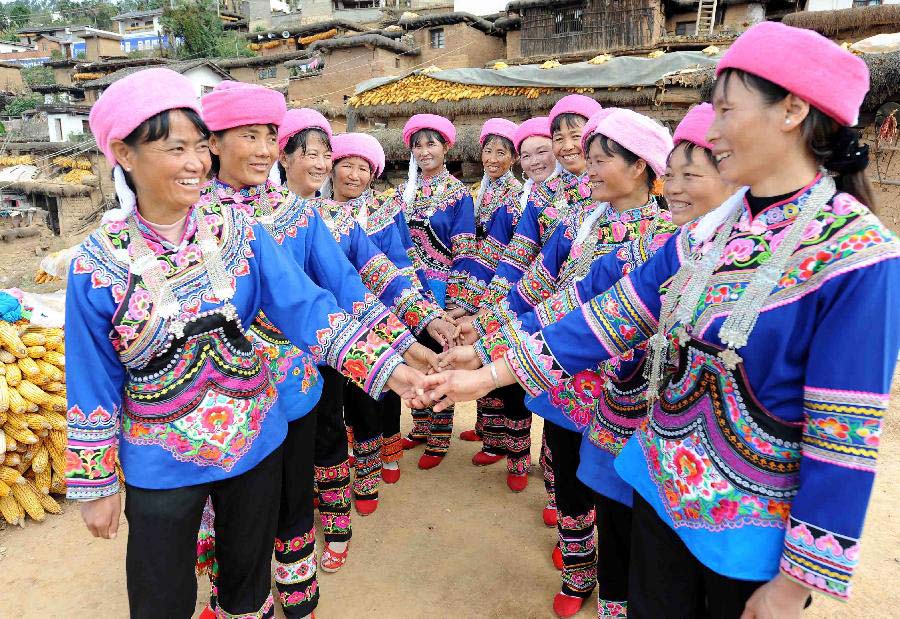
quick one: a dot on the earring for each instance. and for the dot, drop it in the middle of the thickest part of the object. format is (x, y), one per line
(788, 121)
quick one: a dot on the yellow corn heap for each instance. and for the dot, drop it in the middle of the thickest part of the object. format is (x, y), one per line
(73, 163)
(75, 176)
(32, 421)
(317, 37)
(86, 77)
(418, 87)
(8, 160)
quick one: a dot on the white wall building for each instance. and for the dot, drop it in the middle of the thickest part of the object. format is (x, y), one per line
(832, 5)
(480, 7)
(66, 121)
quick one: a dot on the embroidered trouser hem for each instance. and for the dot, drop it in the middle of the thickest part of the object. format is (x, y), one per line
(575, 509)
(434, 428)
(162, 543)
(332, 467)
(547, 467)
(366, 418)
(295, 540)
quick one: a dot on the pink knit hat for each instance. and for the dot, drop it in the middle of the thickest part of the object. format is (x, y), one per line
(295, 121)
(694, 126)
(639, 134)
(118, 112)
(590, 128)
(498, 126)
(805, 63)
(235, 104)
(574, 104)
(538, 126)
(429, 121)
(359, 145)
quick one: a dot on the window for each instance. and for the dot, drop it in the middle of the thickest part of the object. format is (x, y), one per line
(267, 73)
(685, 28)
(85, 126)
(437, 38)
(866, 3)
(205, 90)
(568, 21)
(57, 124)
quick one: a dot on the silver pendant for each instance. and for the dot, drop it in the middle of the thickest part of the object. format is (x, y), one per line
(730, 358)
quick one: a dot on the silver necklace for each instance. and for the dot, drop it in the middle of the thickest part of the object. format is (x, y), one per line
(692, 280)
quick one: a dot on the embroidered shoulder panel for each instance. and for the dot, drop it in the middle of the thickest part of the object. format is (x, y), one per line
(843, 237)
(337, 217)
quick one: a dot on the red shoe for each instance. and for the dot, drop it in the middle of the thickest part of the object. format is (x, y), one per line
(390, 476)
(549, 516)
(411, 443)
(332, 561)
(566, 605)
(556, 557)
(429, 462)
(516, 483)
(483, 458)
(208, 613)
(469, 435)
(366, 507)
(316, 503)
(351, 461)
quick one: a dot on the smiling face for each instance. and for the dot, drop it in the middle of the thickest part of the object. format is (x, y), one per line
(167, 172)
(748, 132)
(567, 143)
(538, 161)
(352, 176)
(246, 154)
(429, 152)
(612, 176)
(308, 167)
(693, 186)
(497, 156)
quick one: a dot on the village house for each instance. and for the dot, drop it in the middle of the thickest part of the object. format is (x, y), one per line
(97, 44)
(11, 78)
(66, 121)
(140, 30)
(849, 24)
(203, 73)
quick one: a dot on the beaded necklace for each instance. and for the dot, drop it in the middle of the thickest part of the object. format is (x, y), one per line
(146, 265)
(692, 280)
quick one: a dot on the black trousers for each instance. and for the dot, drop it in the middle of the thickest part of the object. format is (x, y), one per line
(666, 580)
(613, 551)
(295, 539)
(162, 543)
(364, 416)
(575, 513)
(331, 459)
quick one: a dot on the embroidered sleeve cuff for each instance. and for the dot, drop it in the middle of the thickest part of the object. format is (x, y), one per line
(415, 311)
(819, 559)
(403, 343)
(557, 306)
(486, 323)
(468, 295)
(91, 469)
(533, 365)
(376, 385)
(492, 347)
(496, 291)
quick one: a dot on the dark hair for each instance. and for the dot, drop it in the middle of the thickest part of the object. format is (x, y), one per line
(429, 134)
(219, 134)
(300, 140)
(504, 142)
(158, 127)
(689, 149)
(569, 119)
(833, 146)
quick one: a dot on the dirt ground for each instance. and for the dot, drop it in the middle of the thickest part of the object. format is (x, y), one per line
(450, 542)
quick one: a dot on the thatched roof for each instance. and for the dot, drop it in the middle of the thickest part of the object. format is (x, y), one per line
(448, 19)
(832, 23)
(688, 4)
(467, 147)
(64, 108)
(41, 147)
(108, 66)
(884, 72)
(260, 61)
(303, 30)
(362, 40)
(54, 88)
(504, 105)
(49, 188)
(179, 67)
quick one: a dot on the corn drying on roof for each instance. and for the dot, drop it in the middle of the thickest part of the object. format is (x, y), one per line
(527, 80)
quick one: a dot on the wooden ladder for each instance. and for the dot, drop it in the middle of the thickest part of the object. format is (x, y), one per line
(706, 16)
